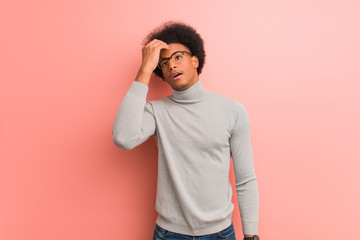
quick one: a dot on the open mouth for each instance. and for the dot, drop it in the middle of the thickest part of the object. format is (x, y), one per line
(176, 75)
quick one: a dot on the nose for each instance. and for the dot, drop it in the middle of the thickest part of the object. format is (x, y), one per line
(172, 65)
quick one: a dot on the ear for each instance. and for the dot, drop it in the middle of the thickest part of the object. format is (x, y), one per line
(195, 61)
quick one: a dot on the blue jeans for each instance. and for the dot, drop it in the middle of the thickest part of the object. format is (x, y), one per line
(163, 234)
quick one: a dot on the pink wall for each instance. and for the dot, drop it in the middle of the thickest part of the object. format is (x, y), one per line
(66, 65)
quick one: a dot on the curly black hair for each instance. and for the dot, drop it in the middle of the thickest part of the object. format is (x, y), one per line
(178, 32)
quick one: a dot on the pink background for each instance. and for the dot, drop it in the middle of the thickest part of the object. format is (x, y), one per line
(66, 65)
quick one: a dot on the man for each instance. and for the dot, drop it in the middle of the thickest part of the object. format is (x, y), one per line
(196, 131)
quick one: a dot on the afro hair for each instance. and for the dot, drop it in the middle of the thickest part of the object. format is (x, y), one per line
(178, 32)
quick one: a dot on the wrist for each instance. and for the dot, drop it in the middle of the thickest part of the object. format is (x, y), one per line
(143, 76)
(251, 237)
(145, 70)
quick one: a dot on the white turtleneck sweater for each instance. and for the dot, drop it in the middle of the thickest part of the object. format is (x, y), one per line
(197, 132)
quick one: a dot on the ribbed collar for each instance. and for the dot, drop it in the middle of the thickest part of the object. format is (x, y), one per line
(195, 93)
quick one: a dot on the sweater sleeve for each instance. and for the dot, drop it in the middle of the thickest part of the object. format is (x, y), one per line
(134, 121)
(245, 178)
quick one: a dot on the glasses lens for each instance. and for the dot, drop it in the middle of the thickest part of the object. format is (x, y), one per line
(178, 57)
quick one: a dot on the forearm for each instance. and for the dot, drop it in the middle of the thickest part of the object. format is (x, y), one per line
(143, 76)
(248, 199)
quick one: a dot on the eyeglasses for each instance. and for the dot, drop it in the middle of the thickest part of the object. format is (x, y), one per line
(176, 57)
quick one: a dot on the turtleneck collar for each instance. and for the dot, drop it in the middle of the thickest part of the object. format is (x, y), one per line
(195, 93)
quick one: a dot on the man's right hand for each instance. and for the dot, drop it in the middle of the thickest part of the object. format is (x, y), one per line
(150, 59)
(151, 54)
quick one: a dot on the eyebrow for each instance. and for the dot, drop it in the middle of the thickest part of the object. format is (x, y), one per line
(163, 59)
(172, 54)
(166, 57)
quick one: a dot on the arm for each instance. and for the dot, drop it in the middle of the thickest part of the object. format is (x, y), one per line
(135, 121)
(246, 180)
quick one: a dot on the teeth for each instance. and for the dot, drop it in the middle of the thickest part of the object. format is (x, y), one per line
(176, 74)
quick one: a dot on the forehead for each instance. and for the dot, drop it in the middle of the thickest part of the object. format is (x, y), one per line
(173, 47)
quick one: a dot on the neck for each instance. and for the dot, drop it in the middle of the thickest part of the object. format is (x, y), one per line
(195, 93)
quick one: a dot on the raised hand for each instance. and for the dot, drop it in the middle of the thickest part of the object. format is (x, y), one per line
(150, 59)
(151, 53)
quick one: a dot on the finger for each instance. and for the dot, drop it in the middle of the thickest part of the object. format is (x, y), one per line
(160, 45)
(155, 43)
(166, 46)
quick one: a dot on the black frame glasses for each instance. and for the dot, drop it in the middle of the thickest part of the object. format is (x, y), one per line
(161, 61)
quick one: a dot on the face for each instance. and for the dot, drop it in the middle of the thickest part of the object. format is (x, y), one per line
(187, 68)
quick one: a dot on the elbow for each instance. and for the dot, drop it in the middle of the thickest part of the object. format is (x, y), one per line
(121, 142)
(122, 145)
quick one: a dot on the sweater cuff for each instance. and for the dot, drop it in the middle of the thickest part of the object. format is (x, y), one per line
(139, 89)
(250, 228)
